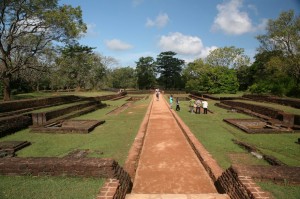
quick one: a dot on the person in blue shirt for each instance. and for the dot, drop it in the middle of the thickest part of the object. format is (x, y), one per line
(171, 101)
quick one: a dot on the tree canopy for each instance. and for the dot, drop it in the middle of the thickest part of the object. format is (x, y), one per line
(170, 69)
(146, 73)
(29, 27)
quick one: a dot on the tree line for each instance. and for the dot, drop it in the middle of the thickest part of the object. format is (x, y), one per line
(39, 49)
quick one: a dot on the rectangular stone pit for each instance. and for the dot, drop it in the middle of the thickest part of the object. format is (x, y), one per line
(257, 126)
(69, 126)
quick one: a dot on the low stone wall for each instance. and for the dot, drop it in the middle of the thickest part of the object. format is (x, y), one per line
(289, 120)
(11, 124)
(80, 167)
(266, 98)
(109, 97)
(240, 186)
(266, 111)
(37, 102)
(140, 92)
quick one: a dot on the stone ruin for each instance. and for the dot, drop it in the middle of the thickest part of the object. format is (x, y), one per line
(68, 126)
(129, 103)
(20, 114)
(9, 148)
(268, 120)
(257, 126)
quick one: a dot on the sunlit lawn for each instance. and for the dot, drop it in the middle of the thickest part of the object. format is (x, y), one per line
(112, 139)
(216, 136)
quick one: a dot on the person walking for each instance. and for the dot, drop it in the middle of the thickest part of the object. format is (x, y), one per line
(205, 106)
(177, 104)
(157, 94)
(198, 106)
(171, 101)
(191, 105)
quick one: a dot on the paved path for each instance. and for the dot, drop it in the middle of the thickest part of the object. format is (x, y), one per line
(167, 164)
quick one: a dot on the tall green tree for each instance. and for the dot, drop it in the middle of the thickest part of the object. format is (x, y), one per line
(27, 27)
(75, 65)
(230, 57)
(170, 69)
(283, 35)
(202, 77)
(123, 78)
(146, 73)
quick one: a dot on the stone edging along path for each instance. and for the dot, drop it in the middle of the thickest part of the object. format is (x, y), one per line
(237, 187)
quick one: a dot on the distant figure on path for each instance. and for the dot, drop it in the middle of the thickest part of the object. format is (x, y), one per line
(171, 101)
(177, 104)
(191, 105)
(198, 105)
(205, 106)
(157, 94)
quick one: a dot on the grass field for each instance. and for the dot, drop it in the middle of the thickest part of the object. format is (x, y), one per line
(216, 136)
(113, 139)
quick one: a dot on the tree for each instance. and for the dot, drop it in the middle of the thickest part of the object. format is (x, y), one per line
(75, 64)
(146, 73)
(27, 27)
(202, 77)
(170, 69)
(283, 35)
(123, 78)
(230, 57)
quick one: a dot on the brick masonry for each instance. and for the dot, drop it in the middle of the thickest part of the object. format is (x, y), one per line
(118, 181)
(270, 114)
(239, 186)
(284, 101)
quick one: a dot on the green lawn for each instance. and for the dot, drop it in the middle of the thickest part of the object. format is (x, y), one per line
(48, 187)
(216, 136)
(112, 139)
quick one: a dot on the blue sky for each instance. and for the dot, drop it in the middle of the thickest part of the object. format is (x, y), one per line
(129, 29)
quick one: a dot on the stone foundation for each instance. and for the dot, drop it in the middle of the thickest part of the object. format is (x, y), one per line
(80, 167)
(11, 124)
(253, 126)
(266, 98)
(240, 186)
(69, 126)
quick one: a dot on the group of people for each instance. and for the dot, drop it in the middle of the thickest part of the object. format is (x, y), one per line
(195, 106)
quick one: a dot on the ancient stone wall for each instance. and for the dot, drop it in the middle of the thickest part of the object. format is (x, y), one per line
(266, 111)
(42, 118)
(240, 186)
(284, 101)
(11, 124)
(40, 102)
(80, 167)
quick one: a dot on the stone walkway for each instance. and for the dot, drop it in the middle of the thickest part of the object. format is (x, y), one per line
(167, 164)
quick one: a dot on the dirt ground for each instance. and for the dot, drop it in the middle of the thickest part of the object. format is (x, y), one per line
(167, 163)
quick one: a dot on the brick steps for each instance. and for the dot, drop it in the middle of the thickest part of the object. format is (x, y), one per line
(177, 196)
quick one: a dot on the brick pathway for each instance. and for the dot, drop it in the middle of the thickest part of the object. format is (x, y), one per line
(167, 164)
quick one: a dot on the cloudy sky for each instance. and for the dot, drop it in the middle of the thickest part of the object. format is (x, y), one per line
(130, 29)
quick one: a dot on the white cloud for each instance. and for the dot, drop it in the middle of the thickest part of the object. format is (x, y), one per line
(160, 21)
(231, 20)
(118, 45)
(184, 44)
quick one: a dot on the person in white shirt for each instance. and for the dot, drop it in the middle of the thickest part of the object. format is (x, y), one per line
(205, 106)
